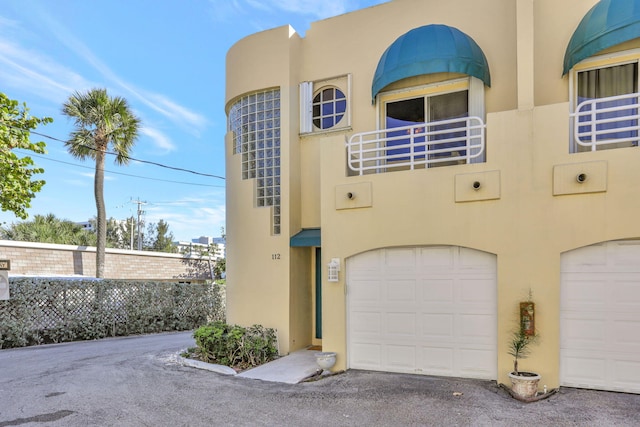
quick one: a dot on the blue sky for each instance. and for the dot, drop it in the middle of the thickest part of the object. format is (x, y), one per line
(167, 58)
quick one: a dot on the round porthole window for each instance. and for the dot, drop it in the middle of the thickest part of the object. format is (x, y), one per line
(329, 107)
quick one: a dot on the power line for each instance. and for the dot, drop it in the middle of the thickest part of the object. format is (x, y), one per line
(115, 154)
(118, 173)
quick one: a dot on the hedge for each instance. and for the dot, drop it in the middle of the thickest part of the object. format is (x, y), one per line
(42, 310)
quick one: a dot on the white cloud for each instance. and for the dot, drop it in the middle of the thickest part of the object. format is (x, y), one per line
(159, 139)
(171, 110)
(36, 73)
(190, 217)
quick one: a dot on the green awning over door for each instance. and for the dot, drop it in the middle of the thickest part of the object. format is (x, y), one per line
(307, 237)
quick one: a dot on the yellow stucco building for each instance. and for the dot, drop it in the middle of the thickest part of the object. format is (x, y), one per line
(402, 176)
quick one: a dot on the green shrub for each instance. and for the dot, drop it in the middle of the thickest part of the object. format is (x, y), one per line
(234, 345)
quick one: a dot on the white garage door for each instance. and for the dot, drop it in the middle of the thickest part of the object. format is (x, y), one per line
(600, 317)
(428, 310)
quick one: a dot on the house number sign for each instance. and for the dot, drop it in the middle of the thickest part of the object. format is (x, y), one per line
(5, 264)
(275, 257)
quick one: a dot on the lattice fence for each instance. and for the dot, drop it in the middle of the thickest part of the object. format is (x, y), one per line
(59, 310)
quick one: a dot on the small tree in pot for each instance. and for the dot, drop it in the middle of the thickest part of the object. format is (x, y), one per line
(524, 385)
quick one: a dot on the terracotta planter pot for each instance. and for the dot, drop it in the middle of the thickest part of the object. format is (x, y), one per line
(525, 384)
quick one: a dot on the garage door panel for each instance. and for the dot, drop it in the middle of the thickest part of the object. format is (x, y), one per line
(437, 325)
(367, 355)
(627, 295)
(402, 325)
(366, 322)
(402, 259)
(401, 290)
(584, 371)
(430, 312)
(437, 360)
(583, 333)
(626, 374)
(476, 363)
(575, 261)
(585, 294)
(436, 258)
(437, 291)
(370, 262)
(364, 291)
(627, 336)
(627, 255)
(600, 317)
(401, 357)
(480, 292)
(477, 327)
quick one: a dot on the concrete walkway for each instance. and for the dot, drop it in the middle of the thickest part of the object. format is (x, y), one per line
(290, 369)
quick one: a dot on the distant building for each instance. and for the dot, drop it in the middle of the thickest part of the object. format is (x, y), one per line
(86, 225)
(200, 244)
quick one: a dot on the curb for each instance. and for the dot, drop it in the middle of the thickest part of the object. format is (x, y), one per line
(220, 369)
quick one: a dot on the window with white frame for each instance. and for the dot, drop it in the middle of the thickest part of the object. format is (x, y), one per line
(329, 107)
(324, 105)
(431, 119)
(605, 103)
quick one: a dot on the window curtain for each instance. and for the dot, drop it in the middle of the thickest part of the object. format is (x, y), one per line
(604, 83)
(446, 107)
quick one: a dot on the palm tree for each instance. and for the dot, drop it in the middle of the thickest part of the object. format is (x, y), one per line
(48, 229)
(102, 123)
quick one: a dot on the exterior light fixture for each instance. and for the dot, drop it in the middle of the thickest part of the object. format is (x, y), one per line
(334, 269)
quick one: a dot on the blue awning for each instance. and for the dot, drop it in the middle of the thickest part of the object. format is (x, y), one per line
(306, 238)
(428, 50)
(608, 23)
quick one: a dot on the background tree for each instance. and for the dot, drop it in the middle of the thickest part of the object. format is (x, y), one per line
(102, 122)
(221, 264)
(118, 232)
(160, 238)
(49, 229)
(17, 186)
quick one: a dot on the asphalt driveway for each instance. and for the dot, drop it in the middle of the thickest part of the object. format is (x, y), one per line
(137, 381)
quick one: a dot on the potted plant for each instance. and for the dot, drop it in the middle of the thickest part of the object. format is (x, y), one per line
(524, 385)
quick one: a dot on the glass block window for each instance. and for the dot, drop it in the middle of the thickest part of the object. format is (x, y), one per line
(329, 107)
(255, 121)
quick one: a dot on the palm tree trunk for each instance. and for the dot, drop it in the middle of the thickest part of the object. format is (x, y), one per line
(101, 222)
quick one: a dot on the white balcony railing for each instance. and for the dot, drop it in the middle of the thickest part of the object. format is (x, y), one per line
(604, 121)
(459, 140)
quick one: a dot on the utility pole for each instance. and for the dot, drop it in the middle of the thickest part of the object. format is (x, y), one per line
(140, 213)
(131, 234)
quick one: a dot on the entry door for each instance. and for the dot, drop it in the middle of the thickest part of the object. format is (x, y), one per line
(318, 294)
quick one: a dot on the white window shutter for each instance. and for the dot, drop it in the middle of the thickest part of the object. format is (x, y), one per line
(476, 97)
(476, 107)
(306, 107)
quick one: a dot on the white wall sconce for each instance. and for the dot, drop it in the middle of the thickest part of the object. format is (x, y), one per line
(334, 269)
